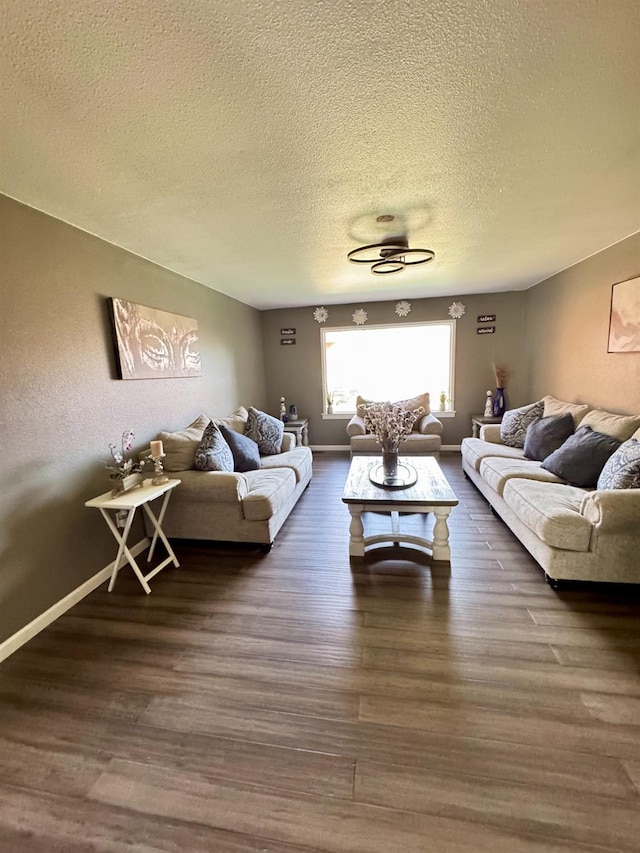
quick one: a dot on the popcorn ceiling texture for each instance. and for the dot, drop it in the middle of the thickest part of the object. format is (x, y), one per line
(238, 142)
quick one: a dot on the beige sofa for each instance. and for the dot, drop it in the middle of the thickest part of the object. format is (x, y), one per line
(232, 506)
(425, 440)
(573, 533)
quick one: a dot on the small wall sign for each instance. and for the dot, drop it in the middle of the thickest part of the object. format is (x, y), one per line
(286, 333)
(487, 318)
(485, 330)
(287, 342)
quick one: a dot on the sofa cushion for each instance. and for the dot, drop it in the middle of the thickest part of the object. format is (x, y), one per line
(516, 421)
(622, 468)
(180, 447)
(299, 460)
(269, 491)
(553, 406)
(213, 453)
(237, 421)
(551, 511)
(621, 427)
(581, 458)
(474, 450)
(246, 456)
(265, 430)
(497, 471)
(547, 434)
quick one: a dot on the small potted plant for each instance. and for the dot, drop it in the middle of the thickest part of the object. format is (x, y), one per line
(329, 402)
(125, 473)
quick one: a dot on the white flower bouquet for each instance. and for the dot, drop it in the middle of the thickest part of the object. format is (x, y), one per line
(390, 424)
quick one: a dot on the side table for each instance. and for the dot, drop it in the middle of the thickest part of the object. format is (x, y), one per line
(129, 502)
(480, 420)
(300, 429)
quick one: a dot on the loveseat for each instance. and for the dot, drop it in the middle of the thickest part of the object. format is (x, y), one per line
(424, 440)
(574, 533)
(232, 506)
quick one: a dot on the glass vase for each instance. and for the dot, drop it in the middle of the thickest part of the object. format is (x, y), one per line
(390, 464)
(499, 403)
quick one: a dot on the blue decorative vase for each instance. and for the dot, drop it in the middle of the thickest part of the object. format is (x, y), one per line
(499, 403)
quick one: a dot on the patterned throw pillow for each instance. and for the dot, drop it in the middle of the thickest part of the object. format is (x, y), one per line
(213, 453)
(265, 430)
(246, 456)
(622, 469)
(515, 422)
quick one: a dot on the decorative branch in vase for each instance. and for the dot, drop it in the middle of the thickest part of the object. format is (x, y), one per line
(501, 374)
(389, 425)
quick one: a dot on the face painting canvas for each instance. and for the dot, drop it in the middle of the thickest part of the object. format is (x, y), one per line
(624, 326)
(154, 344)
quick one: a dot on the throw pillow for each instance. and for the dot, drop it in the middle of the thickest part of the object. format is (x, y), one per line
(265, 430)
(236, 420)
(546, 435)
(582, 457)
(246, 456)
(516, 421)
(622, 468)
(213, 453)
(180, 447)
(553, 406)
(621, 427)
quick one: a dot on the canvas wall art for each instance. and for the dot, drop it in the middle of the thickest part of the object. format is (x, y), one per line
(154, 344)
(624, 325)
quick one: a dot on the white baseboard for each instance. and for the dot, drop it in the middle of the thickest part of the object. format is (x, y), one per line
(13, 643)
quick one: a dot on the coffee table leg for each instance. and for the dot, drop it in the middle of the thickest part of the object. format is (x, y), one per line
(441, 549)
(356, 531)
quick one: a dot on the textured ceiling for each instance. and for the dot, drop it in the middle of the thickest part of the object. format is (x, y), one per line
(251, 145)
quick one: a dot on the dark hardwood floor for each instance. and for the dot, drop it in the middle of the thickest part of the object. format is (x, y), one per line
(294, 702)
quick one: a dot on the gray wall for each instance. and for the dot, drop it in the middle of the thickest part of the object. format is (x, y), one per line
(295, 371)
(567, 333)
(62, 402)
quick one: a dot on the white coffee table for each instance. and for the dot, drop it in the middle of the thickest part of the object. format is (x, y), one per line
(431, 493)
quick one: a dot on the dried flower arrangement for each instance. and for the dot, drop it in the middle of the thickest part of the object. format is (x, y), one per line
(123, 467)
(501, 374)
(390, 424)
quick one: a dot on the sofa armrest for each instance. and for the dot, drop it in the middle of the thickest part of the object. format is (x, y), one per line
(613, 510)
(212, 486)
(288, 442)
(356, 426)
(491, 433)
(430, 425)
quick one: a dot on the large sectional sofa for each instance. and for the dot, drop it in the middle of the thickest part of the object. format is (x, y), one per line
(232, 506)
(585, 534)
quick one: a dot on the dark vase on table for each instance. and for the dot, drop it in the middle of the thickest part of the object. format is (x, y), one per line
(499, 403)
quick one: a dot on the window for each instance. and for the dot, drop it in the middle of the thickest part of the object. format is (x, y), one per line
(388, 363)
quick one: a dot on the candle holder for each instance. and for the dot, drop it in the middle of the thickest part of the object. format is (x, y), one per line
(159, 477)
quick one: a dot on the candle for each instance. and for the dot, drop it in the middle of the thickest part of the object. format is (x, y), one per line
(156, 449)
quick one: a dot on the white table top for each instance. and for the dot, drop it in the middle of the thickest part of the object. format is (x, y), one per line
(133, 498)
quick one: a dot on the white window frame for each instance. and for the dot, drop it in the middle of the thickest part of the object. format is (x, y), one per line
(449, 412)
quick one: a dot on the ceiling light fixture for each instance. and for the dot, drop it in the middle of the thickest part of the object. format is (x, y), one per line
(394, 255)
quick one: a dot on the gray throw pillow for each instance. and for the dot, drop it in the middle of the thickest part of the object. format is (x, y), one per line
(246, 456)
(582, 457)
(516, 421)
(213, 453)
(546, 435)
(265, 430)
(622, 468)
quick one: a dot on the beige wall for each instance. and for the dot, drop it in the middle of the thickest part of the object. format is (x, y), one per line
(567, 333)
(62, 403)
(295, 371)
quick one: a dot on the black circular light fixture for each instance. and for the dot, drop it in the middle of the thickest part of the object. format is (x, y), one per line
(393, 256)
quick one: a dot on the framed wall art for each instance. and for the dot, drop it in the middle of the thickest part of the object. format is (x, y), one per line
(624, 323)
(154, 344)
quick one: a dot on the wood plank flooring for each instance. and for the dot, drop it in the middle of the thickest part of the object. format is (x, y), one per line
(296, 702)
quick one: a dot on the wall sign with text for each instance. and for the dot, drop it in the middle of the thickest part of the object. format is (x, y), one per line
(486, 318)
(287, 342)
(287, 333)
(486, 330)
